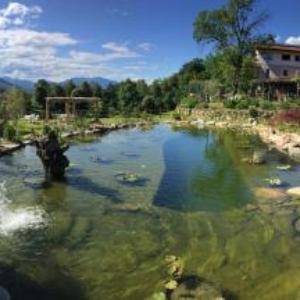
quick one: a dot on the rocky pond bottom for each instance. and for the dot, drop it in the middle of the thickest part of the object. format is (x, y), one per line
(152, 214)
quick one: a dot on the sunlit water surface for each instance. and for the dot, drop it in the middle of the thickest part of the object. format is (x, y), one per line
(94, 237)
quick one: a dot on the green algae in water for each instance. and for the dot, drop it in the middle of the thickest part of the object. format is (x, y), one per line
(106, 240)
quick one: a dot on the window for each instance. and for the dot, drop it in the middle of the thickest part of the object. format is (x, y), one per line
(286, 57)
(297, 58)
(285, 73)
(268, 56)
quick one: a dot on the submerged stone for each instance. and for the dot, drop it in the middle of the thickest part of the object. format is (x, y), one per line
(192, 287)
(174, 266)
(171, 285)
(158, 296)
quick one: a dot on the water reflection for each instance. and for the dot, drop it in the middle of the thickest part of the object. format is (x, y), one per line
(200, 174)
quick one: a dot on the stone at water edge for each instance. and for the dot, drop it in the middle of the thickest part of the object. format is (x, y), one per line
(259, 157)
(294, 192)
(270, 193)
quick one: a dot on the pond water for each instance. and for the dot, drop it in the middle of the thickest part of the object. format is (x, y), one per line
(94, 236)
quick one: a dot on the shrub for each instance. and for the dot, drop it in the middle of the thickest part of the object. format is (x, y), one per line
(203, 105)
(46, 129)
(230, 103)
(10, 133)
(176, 116)
(267, 105)
(243, 104)
(285, 105)
(189, 102)
(254, 103)
(289, 117)
(253, 113)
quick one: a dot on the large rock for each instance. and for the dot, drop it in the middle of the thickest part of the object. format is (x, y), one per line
(259, 157)
(294, 192)
(294, 151)
(270, 193)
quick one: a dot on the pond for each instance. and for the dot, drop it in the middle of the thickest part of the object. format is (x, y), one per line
(133, 197)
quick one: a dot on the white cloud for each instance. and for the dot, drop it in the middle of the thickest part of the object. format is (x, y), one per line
(17, 14)
(31, 54)
(146, 46)
(293, 40)
(117, 12)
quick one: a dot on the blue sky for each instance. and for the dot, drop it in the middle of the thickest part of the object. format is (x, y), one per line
(116, 39)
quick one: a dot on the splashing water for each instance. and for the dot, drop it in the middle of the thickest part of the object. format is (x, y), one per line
(14, 220)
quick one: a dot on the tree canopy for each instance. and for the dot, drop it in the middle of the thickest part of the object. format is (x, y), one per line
(233, 30)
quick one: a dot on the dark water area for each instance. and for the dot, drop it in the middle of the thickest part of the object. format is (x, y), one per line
(132, 198)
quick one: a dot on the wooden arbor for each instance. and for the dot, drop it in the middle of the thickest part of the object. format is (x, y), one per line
(70, 104)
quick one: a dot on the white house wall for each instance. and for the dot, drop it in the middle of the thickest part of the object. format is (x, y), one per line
(276, 65)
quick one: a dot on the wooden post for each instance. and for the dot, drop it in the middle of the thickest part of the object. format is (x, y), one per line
(47, 109)
(67, 108)
(73, 107)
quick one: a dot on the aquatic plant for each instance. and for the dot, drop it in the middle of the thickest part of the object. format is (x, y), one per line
(284, 167)
(274, 181)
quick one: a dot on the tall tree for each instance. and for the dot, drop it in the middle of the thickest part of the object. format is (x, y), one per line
(129, 98)
(69, 88)
(233, 30)
(41, 90)
(84, 90)
(17, 103)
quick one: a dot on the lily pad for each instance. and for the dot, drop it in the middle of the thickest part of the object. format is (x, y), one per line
(132, 179)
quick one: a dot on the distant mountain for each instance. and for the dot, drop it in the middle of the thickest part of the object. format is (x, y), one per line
(4, 85)
(19, 83)
(8, 82)
(99, 80)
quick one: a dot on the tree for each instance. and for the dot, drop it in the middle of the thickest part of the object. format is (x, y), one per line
(69, 88)
(149, 105)
(84, 90)
(40, 93)
(110, 100)
(129, 99)
(193, 70)
(233, 30)
(17, 103)
(56, 90)
(97, 108)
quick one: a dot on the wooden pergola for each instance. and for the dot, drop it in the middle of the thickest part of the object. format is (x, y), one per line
(70, 104)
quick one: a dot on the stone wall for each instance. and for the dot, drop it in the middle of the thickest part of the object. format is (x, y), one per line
(224, 115)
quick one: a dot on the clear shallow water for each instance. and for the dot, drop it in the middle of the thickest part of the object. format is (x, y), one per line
(92, 237)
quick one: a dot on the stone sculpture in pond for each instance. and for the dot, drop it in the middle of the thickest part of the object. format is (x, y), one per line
(52, 156)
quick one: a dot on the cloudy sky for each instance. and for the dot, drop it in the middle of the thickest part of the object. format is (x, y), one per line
(116, 39)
